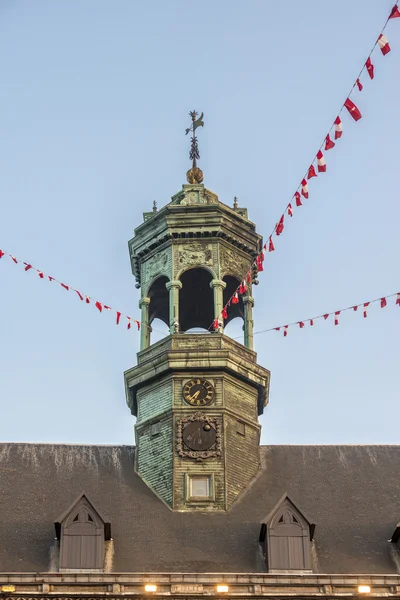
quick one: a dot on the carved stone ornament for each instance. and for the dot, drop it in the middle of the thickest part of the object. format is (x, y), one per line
(156, 265)
(210, 197)
(232, 263)
(195, 254)
(209, 427)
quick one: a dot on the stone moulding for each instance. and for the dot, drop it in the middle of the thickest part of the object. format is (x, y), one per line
(91, 586)
(214, 452)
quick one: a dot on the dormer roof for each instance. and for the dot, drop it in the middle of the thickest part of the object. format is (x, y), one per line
(82, 497)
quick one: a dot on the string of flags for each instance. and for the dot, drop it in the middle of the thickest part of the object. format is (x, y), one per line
(119, 316)
(335, 315)
(317, 166)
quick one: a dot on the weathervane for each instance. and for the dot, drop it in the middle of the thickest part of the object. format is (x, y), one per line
(194, 175)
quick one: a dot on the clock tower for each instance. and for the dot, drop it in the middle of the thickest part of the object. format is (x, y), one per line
(196, 394)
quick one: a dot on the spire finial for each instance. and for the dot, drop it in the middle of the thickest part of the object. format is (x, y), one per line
(154, 206)
(235, 203)
(194, 175)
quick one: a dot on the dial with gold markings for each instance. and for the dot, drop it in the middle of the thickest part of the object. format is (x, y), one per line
(198, 392)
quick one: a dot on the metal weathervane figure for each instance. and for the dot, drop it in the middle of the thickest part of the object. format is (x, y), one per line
(194, 175)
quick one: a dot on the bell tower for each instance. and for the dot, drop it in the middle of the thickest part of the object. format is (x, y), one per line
(197, 393)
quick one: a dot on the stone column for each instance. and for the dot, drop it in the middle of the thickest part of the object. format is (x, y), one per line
(248, 303)
(144, 324)
(218, 286)
(173, 287)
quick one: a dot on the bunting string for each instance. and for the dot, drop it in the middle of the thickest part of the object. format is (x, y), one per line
(317, 166)
(335, 314)
(82, 297)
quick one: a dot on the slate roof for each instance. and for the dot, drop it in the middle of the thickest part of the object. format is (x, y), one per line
(351, 493)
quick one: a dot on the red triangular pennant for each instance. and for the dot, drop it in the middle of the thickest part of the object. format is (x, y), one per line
(271, 246)
(359, 85)
(329, 144)
(383, 302)
(395, 13)
(79, 294)
(311, 172)
(224, 313)
(1, 253)
(370, 68)
(353, 110)
(280, 226)
(28, 267)
(118, 316)
(99, 306)
(66, 287)
(298, 199)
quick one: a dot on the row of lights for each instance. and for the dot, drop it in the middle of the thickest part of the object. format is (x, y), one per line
(223, 589)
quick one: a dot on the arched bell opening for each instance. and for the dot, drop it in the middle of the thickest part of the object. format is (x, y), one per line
(196, 300)
(234, 310)
(159, 300)
(234, 329)
(159, 330)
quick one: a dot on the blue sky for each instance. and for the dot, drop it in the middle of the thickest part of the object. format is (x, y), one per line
(94, 102)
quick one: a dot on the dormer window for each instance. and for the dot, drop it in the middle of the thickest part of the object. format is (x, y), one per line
(287, 536)
(82, 532)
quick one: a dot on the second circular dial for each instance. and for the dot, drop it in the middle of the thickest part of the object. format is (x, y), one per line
(198, 392)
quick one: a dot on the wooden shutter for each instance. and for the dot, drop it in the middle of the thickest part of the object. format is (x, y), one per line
(288, 543)
(82, 543)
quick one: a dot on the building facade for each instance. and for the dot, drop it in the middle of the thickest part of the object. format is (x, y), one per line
(197, 507)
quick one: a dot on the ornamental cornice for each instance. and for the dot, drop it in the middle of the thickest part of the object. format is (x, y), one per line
(91, 586)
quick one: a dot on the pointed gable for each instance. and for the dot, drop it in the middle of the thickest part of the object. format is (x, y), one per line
(286, 535)
(82, 530)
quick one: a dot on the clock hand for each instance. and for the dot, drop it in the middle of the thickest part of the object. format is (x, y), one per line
(195, 395)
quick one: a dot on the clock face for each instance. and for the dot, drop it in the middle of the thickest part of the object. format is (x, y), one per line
(199, 435)
(198, 392)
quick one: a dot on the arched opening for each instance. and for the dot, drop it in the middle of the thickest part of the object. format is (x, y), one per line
(234, 310)
(234, 329)
(196, 300)
(159, 300)
(159, 330)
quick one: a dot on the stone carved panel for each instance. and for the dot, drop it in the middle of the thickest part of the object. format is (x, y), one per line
(156, 265)
(216, 449)
(233, 263)
(195, 254)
